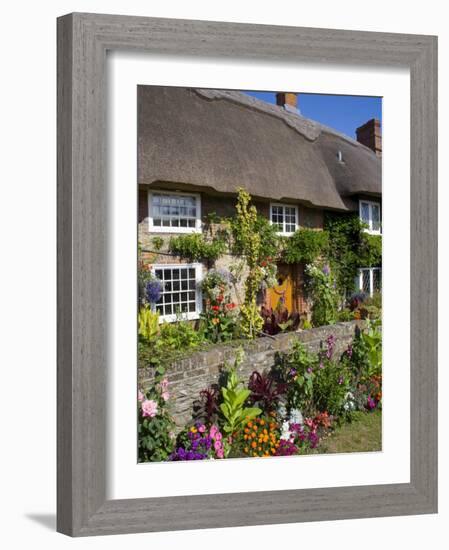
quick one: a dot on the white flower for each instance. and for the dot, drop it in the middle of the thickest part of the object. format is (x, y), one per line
(296, 417)
(286, 433)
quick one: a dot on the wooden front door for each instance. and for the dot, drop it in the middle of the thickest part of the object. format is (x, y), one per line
(284, 290)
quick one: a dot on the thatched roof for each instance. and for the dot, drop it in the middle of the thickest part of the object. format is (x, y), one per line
(224, 140)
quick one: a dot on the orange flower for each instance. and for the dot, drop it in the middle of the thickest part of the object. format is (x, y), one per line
(253, 444)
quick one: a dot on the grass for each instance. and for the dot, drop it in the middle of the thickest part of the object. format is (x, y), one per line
(363, 434)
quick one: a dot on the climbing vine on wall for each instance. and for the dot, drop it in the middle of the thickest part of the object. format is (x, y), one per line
(350, 247)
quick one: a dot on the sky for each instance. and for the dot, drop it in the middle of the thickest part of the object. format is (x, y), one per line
(344, 113)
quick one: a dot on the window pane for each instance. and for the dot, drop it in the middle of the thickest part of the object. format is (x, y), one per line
(179, 292)
(366, 280)
(364, 212)
(375, 216)
(377, 279)
(175, 211)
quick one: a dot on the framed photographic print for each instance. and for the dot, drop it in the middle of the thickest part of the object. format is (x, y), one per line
(247, 274)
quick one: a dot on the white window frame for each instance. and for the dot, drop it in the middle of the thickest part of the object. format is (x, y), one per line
(160, 229)
(283, 232)
(190, 315)
(370, 223)
(359, 279)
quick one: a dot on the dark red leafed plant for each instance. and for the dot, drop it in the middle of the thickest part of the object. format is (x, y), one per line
(206, 408)
(265, 391)
(278, 320)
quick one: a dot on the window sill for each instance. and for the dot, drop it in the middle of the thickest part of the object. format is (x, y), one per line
(174, 230)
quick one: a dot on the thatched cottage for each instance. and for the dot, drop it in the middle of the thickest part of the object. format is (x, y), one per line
(197, 146)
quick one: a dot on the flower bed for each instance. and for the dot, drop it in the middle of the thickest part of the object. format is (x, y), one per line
(282, 410)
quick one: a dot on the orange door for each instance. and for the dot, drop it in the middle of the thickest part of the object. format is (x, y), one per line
(283, 291)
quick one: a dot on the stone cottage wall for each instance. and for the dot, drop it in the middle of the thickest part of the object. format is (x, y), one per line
(188, 376)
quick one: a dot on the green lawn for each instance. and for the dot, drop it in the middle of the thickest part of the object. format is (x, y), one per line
(363, 434)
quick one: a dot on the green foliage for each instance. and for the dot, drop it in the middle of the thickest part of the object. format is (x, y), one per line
(305, 245)
(155, 433)
(367, 350)
(370, 250)
(197, 248)
(332, 384)
(233, 408)
(297, 371)
(350, 247)
(180, 335)
(148, 324)
(248, 241)
(157, 243)
(345, 314)
(324, 295)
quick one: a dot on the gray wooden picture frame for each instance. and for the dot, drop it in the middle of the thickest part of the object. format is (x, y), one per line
(83, 40)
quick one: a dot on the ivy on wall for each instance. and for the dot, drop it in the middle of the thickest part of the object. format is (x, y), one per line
(350, 247)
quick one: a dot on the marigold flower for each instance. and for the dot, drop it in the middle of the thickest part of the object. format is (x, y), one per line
(253, 444)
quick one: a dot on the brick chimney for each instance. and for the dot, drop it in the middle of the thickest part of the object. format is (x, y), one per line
(370, 134)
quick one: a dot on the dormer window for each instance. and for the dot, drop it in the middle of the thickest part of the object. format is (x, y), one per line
(370, 214)
(285, 217)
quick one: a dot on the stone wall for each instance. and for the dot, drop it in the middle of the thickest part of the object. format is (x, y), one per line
(190, 375)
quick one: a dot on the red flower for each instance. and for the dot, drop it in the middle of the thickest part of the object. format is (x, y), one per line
(230, 306)
(220, 298)
(263, 263)
(215, 308)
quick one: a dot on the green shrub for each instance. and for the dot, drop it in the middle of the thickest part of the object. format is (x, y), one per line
(324, 295)
(196, 248)
(148, 324)
(305, 245)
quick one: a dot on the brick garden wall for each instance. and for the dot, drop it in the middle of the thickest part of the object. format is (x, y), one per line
(190, 375)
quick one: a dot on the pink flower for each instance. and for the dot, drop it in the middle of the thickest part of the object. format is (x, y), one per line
(140, 396)
(220, 453)
(213, 431)
(165, 395)
(201, 428)
(164, 384)
(218, 436)
(149, 408)
(218, 445)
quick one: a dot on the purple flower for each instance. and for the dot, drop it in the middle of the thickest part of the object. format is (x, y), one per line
(286, 448)
(321, 366)
(293, 372)
(371, 404)
(313, 439)
(326, 270)
(349, 351)
(330, 346)
(340, 380)
(310, 370)
(153, 291)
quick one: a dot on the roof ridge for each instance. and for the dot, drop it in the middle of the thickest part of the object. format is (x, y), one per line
(307, 127)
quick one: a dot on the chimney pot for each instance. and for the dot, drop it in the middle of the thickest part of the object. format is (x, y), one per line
(287, 98)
